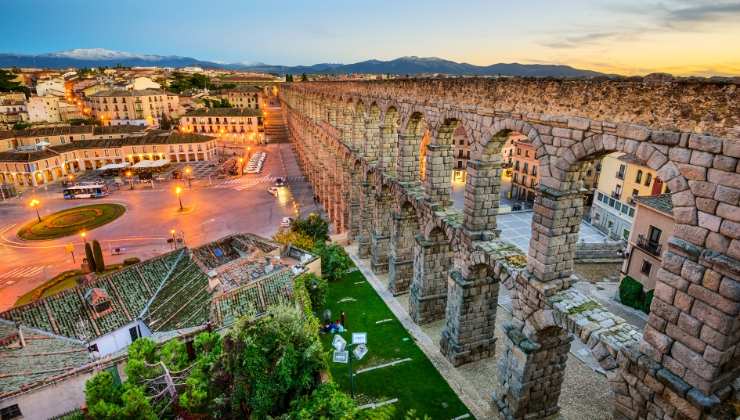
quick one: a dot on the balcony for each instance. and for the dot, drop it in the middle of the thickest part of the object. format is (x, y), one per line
(649, 246)
(616, 194)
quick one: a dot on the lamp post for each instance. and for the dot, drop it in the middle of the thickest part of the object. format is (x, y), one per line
(187, 175)
(178, 190)
(174, 240)
(34, 204)
(241, 166)
(129, 175)
(343, 354)
(83, 235)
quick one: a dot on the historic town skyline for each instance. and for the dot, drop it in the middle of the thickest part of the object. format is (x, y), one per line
(625, 37)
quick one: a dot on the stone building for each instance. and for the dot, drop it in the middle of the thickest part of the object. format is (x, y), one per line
(243, 96)
(652, 227)
(359, 145)
(236, 124)
(524, 165)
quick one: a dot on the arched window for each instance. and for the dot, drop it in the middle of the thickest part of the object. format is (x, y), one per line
(638, 178)
(648, 179)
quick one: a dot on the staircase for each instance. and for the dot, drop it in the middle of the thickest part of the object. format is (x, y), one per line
(275, 128)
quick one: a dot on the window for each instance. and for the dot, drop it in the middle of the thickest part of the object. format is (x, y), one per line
(534, 170)
(134, 332)
(526, 153)
(518, 151)
(648, 179)
(620, 173)
(618, 190)
(638, 178)
(10, 412)
(634, 193)
(646, 267)
(93, 348)
(654, 235)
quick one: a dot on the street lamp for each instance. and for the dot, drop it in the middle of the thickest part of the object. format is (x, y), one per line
(129, 175)
(34, 204)
(342, 354)
(174, 240)
(178, 190)
(187, 175)
(83, 235)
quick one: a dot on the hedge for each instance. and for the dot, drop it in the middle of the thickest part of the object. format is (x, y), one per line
(633, 295)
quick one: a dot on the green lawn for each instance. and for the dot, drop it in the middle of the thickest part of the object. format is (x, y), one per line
(71, 221)
(416, 383)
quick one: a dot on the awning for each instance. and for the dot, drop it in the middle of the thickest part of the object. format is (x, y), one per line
(149, 164)
(112, 166)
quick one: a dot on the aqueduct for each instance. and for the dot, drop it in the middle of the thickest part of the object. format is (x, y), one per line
(360, 145)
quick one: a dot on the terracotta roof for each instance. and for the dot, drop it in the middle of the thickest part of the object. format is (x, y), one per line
(661, 202)
(144, 92)
(225, 112)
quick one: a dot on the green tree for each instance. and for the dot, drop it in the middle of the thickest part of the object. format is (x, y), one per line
(312, 226)
(334, 261)
(199, 396)
(298, 239)
(270, 361)
(304, 78)
(98, 256)
(107, 400)
(89, 256)
(325, 402)
(316, 288)
(7, 84)
(142, 353)
(288, 77)
(174, 355)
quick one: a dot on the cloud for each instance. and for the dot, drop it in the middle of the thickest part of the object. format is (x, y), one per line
(578, 40)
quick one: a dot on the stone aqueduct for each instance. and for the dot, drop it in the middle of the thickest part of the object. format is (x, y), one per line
(361, 145)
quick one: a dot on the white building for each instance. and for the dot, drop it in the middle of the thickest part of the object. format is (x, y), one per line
(50, 87)
(142, 83)
(43, 109)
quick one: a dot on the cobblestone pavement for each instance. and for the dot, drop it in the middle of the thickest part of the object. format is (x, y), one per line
(597, 272)
(585, 392)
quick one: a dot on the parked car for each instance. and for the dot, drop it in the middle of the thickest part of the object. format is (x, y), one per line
(286, 222)
(273, 191)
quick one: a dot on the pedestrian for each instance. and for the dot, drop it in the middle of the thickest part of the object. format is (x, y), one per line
(343, 319)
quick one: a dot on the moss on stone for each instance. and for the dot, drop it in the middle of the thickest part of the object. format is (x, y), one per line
(585, 306)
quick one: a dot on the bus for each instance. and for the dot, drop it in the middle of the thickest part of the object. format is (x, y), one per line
(86, 190)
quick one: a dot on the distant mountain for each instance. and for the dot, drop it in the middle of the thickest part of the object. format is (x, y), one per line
(99, 57)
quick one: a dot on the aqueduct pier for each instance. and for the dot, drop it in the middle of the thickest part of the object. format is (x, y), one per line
(379, 155)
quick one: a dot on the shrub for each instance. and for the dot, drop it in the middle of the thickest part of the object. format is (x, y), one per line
(299, 239)
(89, 256)
(316, 288)
(312, 226)
(98, 256)
(326, 402)
(334, 261)
(647, 301)
(131, 261)
(632, 294)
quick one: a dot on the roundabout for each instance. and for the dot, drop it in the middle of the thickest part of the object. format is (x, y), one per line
(71, 221)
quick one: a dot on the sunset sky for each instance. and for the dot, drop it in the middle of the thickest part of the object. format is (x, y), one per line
(621, 36)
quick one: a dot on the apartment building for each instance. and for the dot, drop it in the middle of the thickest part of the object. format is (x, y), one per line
(238, 124)
(525, 169)
(653, 226)
(243, 96)
(54, 87)
(133, 107)
(461, 151)
(12, 111)
(623, 177)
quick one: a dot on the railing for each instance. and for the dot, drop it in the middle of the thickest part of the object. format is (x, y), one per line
(651, 247)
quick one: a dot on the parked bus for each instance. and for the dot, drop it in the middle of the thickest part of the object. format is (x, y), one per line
(87, 190)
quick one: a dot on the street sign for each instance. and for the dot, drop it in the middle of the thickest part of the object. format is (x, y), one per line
(360, 351)
(341, 356)
(359, 338)
(339, 343)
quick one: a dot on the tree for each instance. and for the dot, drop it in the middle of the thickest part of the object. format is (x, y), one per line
(7, 84)
(325, 402)
(304, 78)
(107, 400)
(288, 77)
(165, 122)
(268, 362)
(89, 257)
(312, 226)
(291, 237)
(316, 288)
(334, 261)
(199, 396)
(98, 256)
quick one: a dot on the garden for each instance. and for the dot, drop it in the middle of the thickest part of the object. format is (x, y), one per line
(71, 221)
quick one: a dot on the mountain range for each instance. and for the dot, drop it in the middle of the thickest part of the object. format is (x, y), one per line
(99, 57)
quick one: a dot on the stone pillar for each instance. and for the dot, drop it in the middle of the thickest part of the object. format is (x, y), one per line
(432, 260)
(531, 373)
(400, 261)
(471, 318)
(355, 208)
(388, 149)
(407, 164)
(482, 195)
(555, 223)
(438, 174)
(367, 207)
(372, 141)
(380, 238)
(358, 135)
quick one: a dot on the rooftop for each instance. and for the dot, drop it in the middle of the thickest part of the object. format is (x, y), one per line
(225, 112)
(661, 203)
(144, 92)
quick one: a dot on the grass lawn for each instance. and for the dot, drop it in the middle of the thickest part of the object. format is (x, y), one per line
(415, 383)
(59, 283)
(71, 221)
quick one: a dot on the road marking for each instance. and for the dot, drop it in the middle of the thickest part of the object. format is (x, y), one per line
(22, 272)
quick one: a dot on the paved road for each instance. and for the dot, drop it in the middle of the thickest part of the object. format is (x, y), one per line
(215, 208)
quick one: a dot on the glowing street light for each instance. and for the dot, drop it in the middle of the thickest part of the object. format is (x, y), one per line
(174, 240)
(83, 235)
(34, 204)
(129, 175)
(178, 190)
(187, 175)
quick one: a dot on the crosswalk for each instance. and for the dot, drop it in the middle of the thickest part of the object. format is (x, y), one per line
(240, 184)
(6, 227)
(22, 272)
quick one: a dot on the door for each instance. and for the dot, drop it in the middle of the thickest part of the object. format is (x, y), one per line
(657, 187)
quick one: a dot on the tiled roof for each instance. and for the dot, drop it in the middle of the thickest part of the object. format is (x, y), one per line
(43, 357)
(183, 301)
(253, 298)
(225, 112)
(229, 248)
(145, 92)
(661, 202)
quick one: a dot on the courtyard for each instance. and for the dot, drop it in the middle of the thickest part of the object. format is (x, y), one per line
(216, 207)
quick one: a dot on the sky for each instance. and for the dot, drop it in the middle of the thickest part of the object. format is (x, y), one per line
(628, 37)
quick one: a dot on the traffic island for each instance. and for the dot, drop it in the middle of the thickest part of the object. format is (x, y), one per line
(71, 221)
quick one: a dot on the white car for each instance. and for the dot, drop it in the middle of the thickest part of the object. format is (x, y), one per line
(273, 191)
(286, 222)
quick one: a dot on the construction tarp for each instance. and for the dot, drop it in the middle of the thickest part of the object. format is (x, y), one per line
(112, 166)
(151, 164)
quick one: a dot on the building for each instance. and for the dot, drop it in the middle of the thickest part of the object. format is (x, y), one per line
(49, 348)
(31, 159)
(461, 151)
(53, 87)
(43, 109)
(238, 124)
(622, 178)
(143, 83)
(525, 169)
(12, 111)
(135, 107)
(243, 96)
(653, 226)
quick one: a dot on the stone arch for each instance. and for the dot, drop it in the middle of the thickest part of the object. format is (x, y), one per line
(432, 262)
(382, 219)
(407, 166)
(439, 163)
(404, 228)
